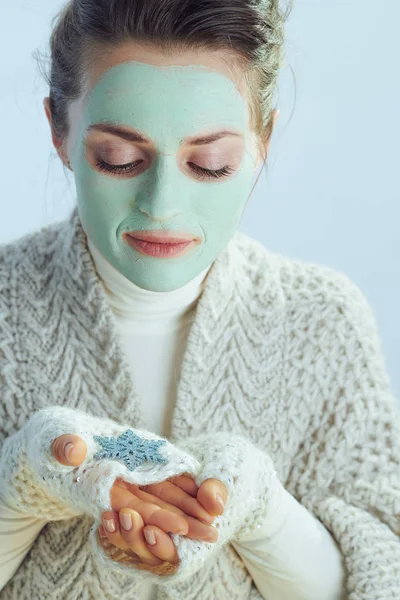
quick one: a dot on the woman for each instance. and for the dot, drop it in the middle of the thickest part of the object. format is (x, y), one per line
(146, 328)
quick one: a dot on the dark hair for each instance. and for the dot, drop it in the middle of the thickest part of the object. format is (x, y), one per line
(250, 30)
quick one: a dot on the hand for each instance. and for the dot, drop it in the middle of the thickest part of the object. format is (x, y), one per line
(173, 508)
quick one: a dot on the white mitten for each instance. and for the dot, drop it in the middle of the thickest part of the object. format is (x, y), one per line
(251, 480)
(35, 482)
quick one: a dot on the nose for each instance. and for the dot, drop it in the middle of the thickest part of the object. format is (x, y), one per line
(160, 200)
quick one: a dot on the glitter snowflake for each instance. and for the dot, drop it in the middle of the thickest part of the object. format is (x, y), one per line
(130, 448)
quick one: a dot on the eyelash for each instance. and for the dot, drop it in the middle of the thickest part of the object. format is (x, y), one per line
(203, 173)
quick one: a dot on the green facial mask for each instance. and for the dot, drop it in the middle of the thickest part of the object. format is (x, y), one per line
(166, 105)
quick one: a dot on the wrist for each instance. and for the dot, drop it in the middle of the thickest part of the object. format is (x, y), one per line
(269, 516)
(251, 481)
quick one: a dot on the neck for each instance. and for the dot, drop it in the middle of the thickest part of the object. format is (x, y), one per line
(142, 309)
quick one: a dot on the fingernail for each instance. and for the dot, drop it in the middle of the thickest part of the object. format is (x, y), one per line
(182, 531)
(208, 521)
(102, 533)
(109, 525)
(67, 450)
(212, 536)
(220, 501)
(150, 537)
(126, 521)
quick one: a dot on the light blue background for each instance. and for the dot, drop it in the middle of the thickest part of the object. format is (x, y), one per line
(330, 193)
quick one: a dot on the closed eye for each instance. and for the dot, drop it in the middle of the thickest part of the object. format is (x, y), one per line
(210, 173)
(132, 167)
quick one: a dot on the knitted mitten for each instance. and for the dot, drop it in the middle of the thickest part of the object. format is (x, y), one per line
(35, 482)
(251, 480)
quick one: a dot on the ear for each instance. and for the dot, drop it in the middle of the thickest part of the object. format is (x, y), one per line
(57, 143)
(268, 136)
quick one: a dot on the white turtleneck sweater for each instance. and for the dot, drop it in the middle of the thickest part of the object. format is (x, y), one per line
(293, 557)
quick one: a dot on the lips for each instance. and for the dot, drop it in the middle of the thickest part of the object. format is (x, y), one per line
(160, 245)
(158, 237)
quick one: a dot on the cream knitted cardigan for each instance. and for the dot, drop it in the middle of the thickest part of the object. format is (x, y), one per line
(284, 353)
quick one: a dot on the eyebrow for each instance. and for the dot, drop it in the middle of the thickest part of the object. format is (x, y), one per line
(131, 136)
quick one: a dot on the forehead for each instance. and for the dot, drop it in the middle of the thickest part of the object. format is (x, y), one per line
(172, 100)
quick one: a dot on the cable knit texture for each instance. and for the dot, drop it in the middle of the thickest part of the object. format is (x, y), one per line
(282, 353)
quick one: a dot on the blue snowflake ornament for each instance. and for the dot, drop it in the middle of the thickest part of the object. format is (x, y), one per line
(130, 448)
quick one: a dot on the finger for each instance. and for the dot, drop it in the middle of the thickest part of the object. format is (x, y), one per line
(201, 531)
(169, 492)
(193, 527)
(186, 483)
(131, 527)
(109, 521)
(112, 528)
(69, 449)
(208, 494)
(147, 497)
(195, 533)
(163, 547)
(168, 522)
(121, 498)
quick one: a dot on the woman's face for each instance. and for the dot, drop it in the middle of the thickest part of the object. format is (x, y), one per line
(140, 167)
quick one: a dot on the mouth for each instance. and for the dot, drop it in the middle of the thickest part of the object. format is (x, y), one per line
(160, 244)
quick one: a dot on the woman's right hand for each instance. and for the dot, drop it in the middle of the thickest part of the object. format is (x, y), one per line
(149, 513)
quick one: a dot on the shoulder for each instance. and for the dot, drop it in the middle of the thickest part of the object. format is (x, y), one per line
(28, 255)
(306, 288)
(31, 243)
(27, 265)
